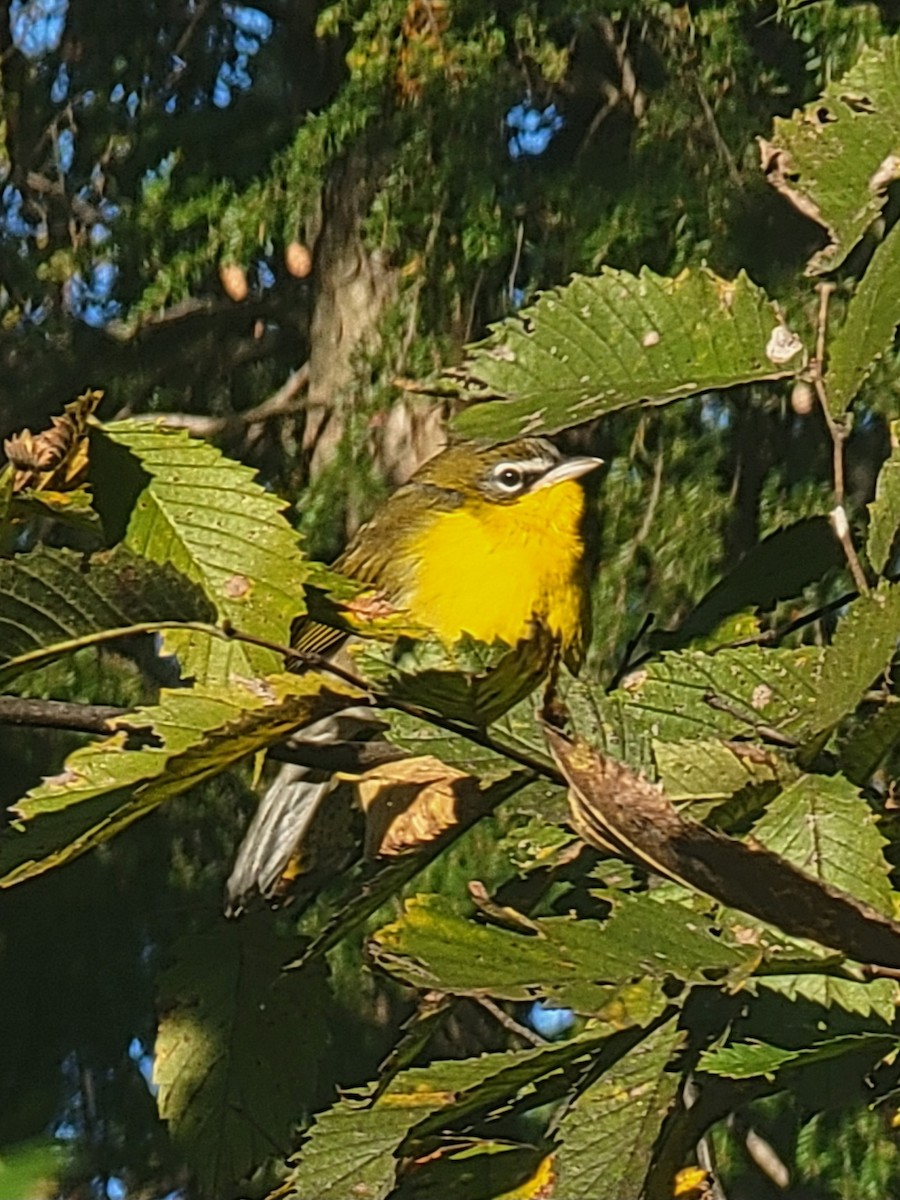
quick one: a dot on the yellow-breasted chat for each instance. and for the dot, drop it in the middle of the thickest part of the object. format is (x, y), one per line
(484, 542)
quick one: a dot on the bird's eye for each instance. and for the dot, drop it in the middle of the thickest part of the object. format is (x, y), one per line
(508, 478)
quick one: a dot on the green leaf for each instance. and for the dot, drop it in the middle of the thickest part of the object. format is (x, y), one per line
(576, 964)
(835, 159)
(606, 1138)
(822, 825)
(54, 596)
(867, 331)
(616, 340)
(353, 1148)
(187, 505)
(875, 998)
(692, 694)
(104, 787)
(863, 747)
(710, 770)
(863, 645)
(884, 511)
(744, 1060)
(236, 1059)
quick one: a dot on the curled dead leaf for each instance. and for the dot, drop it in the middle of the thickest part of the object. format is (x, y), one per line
(56, 458)
(411, 802)
(614, 807)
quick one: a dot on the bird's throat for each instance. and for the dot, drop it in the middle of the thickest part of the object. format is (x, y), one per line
(491, 570)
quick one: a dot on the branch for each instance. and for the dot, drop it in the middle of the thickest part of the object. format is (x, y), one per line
(384, 700)
(279, 404)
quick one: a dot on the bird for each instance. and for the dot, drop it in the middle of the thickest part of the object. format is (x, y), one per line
(484, 541)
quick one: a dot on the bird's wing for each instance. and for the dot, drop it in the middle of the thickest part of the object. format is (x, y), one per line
(375, 556)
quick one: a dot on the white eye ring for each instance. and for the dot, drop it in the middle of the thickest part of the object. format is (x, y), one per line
(508, 478)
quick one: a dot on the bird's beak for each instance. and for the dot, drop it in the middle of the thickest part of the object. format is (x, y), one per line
(570, 468)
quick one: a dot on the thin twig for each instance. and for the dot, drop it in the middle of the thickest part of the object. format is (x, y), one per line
(720, 143)
(838, 431)
(380, 699)
(625, 665)
(509, 1022)
(62, 714)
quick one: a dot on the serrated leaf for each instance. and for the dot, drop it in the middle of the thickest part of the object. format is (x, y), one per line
(209, 518)
(55, 596)
(576, 964)
(616, 340)
(744, 1060)
(236, 1059)
(710, 770)
(835, 159)
(353, 1148)
(863, 645)
(822, 825)
(875, 998)
(606, 1139)
(105, 787)
(692, 694)
(884, 511)
(867, 330)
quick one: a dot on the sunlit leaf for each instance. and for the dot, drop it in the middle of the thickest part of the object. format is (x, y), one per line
(836, 158)
(574, 964)
(822, 825)
(743, 1060)
(615, 340)
(867, 330)
(199, 732)
(177, 500)
(863, 645)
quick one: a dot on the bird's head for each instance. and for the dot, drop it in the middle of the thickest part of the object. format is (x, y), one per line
(503, 474)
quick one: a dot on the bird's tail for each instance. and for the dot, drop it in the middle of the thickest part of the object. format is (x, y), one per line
(275, 837)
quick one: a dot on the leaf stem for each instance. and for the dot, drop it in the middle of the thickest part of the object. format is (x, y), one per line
(838, 431)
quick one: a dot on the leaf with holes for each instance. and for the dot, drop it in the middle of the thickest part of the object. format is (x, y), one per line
(835, 159)
(691, 694)
(175, 499)
(616, 340)
(575, 964)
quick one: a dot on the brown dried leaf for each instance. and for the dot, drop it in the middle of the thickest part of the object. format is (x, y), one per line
(411, 802)
(614, 806)
(56, 458)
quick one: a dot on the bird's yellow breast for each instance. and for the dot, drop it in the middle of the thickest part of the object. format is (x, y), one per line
(491, 570)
